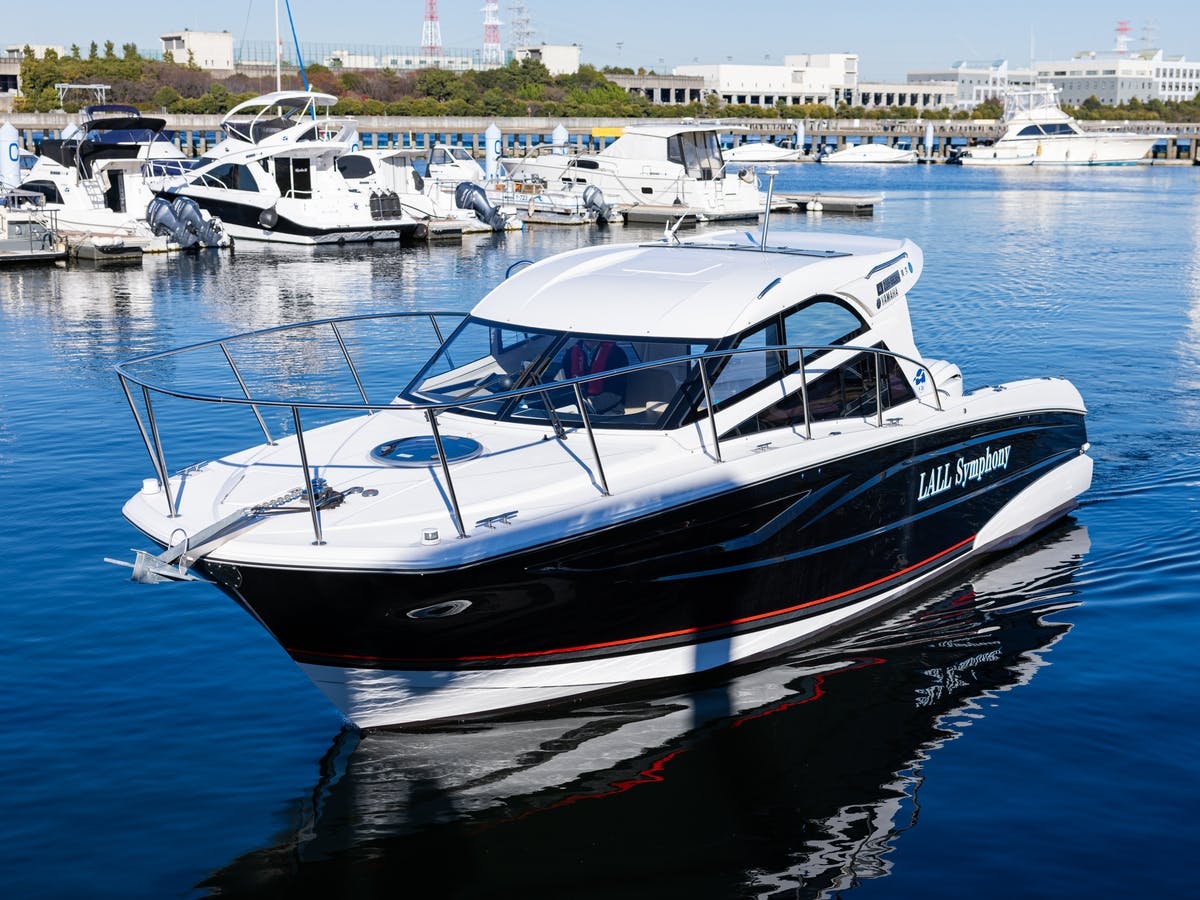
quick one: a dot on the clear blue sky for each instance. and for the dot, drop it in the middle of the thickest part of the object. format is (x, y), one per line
(890, 38)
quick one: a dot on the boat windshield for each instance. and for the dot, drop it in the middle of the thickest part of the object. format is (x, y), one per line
(650, 384)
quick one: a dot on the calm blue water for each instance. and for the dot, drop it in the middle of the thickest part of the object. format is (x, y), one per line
(1030, 729)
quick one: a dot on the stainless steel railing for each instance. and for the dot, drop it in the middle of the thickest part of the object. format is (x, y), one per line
(704, 365)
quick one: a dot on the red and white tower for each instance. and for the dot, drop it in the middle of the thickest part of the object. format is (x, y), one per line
(431, 31)
(493, 52)
(1122, 30)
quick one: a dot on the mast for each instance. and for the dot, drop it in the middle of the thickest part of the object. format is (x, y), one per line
(278, 50)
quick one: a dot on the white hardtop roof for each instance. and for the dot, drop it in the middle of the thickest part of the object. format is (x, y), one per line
(291, 99)
(705, 288)
(648, 141)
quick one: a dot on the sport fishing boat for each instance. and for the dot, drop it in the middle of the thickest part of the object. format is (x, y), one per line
(1038, 133)
(627, 462)
(651, 170)
(274, 176)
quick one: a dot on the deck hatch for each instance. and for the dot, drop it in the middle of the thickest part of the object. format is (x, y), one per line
(421, 451)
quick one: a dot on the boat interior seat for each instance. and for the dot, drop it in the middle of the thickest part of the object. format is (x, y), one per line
(649, 390)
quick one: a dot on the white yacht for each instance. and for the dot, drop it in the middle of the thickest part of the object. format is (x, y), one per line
(627, 462)
(389, 176)
(1038, 133)
(100, 180)
(762, 152)
(663, 169)
(869, 154)
(274, 176)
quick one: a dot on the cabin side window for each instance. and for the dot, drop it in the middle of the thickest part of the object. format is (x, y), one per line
(231, 176)
(817, 322)
(854, 389)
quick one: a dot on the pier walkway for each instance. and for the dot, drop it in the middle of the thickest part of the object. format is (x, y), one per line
(194, 134)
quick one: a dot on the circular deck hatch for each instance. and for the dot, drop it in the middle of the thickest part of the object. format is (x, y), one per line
(421, 451)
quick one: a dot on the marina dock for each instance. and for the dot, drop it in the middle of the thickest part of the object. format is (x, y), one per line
(194, 134)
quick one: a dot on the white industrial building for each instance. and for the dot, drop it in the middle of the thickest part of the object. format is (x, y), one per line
(559, 59)
(974, 82)
(1114, 78)
(210, 50)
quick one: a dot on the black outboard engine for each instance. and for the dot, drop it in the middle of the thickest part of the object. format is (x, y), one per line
(593, 198)
(469, 195)
(163, 219)
(207, 231)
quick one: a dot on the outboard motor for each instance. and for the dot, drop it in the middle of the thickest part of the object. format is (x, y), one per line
(469, 195)
(189, 213)
(163, 219)
(593, 198)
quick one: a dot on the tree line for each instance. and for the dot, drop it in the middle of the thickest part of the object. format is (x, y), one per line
(520, 88)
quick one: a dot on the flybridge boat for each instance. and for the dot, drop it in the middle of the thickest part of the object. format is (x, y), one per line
(655, 168)
(627, 462)
(1038, 133)
(274, 176)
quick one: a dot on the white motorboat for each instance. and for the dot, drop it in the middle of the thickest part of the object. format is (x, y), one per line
(628, 462)
(100, 183)
(389, 176)
(664, 169)
(762, 152)
(274, 177)
(1038, 133)
(28, 231)
(869, 154)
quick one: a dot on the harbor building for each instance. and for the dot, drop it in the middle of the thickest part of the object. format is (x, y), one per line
(1114, 78)
(974, 82)
(828, 79)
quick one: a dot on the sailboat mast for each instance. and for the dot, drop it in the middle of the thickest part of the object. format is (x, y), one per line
(278, 50)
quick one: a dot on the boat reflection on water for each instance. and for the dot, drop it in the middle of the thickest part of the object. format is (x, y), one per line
(793, 779)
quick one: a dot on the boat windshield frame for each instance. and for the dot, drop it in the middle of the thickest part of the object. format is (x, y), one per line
(623, 381)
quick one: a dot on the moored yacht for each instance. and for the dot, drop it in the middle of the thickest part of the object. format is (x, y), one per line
(389, 177)
(659, 167)
(627, 462)
(274, 176)
(869, 154)
(1037, 132)
(100, 180)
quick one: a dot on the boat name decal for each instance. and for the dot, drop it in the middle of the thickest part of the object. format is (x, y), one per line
(961, 472)
(887, 290)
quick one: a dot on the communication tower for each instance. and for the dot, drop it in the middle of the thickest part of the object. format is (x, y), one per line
(493, 53)
(521, 31)
(1122, 30)
(431, 31)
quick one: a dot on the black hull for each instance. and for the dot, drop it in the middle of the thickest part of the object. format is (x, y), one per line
(767, 555)
(241, 215)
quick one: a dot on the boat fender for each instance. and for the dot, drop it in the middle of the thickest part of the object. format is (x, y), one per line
(268, 218)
